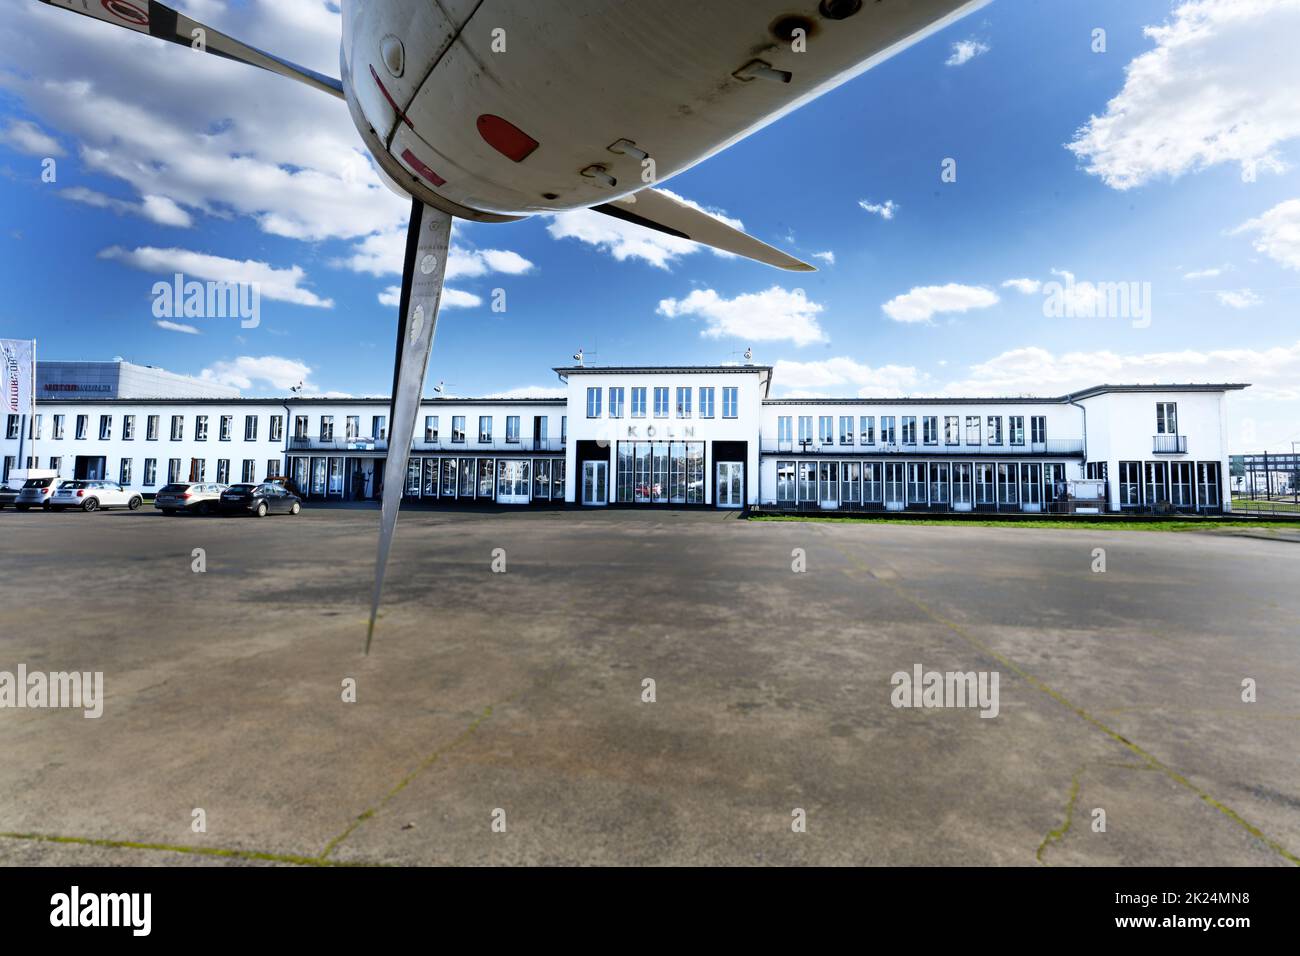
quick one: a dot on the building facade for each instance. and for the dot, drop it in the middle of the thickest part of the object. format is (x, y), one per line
(688, 436)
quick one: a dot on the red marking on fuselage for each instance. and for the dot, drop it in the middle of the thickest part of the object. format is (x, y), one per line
(505, 137)
(415, 163)
(389, 96)
(126, 10)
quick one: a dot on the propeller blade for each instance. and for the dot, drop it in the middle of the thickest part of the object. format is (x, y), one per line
(658, 210)
(161, 21)
(427, 239)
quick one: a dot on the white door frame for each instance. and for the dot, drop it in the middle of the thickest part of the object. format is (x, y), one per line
(722, 486)
(596, 467)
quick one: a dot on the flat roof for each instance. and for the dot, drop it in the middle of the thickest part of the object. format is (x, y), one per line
(1006, 400)
(565, 370)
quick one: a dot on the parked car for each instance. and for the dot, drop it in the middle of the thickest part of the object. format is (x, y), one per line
(35, 493)
(259, 500)
(93, 495)
(189, 497)
(8, 494)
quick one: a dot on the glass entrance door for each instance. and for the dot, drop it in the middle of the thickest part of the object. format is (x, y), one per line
(895, 490)
(729, 489)
(828, 484)
(512, 482)
(595, 477)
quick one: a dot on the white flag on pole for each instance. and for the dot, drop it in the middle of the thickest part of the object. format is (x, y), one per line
(16, 369)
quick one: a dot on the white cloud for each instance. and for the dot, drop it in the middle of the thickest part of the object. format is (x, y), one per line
(775, 314)
(279, 284)
(1277, 232)
(1239, 298)
(1219, 87)
(207, 134)
(451, 298)
(176, 327)
(157, 209)
(1273, 373)
(26, 137)
(827, 257)
(1203, 273)
(923, 302)
(382, 254)
(963, 51)
(885, 210)
(1024, 286)
(626, 240)
(248, 371)
(528, 391)
(805, 379)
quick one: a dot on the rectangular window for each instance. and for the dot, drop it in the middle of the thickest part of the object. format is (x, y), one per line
(277, 427)
(1130, 484)
(846, 429)
(173, 470)
(248, 473)
(807, 480)
(327, 428)
(223, 471)
(431, 428)
(661, 401)
(730, 402)
(1008, 483)
(200, 427)
(224, 427)
(805, 429)
(105, 427)
(300, 427)
(272, 467)
(930, 427)
(785, 488)
(10, 462)
(56, 464)
(867, 429)
(458, 428)
(512, 428)
(124, 473)
(12, 426)
(58, 427)
(485, 433)
(616, 402)
(1157, 477)
(972, 429)
(82, 424)
(952, 429)
(379, 427)
(1039, 425)
(352, 427)
(706, 401)
(888, 432)
(1016, 427)
(995, 429)
(1207, 484)
(909, 429)
(150, 472)
(638, 402)
(34, 429)
(593, 403)
(250, 428)
(198, 468)
(1166, 418)
(826, 429)
(683, 402)
(128, 428)
(784, 429)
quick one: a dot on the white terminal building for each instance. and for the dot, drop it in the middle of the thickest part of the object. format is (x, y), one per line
(690, 436)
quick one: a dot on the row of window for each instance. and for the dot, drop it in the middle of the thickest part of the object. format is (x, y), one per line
(541, 426)
(661, 394)
(225, 426)
(461, 478)
(1181, 484)
(176, 470)
(1014, 433)
(830, 484)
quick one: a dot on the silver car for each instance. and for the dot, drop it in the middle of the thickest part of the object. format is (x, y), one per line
(189, 497)
(36, 493)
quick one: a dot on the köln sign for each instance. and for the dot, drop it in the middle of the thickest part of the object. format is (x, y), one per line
(634, 431)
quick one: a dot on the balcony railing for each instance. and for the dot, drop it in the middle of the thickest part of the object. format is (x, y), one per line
(317, 443)
(1169, 444)
(1052, 447)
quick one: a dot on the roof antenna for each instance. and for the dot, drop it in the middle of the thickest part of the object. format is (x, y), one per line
(580, 355)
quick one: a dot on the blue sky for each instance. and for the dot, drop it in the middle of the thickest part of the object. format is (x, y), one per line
(157, 170)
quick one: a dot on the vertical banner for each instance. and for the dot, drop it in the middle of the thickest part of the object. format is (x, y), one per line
(18, 374)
